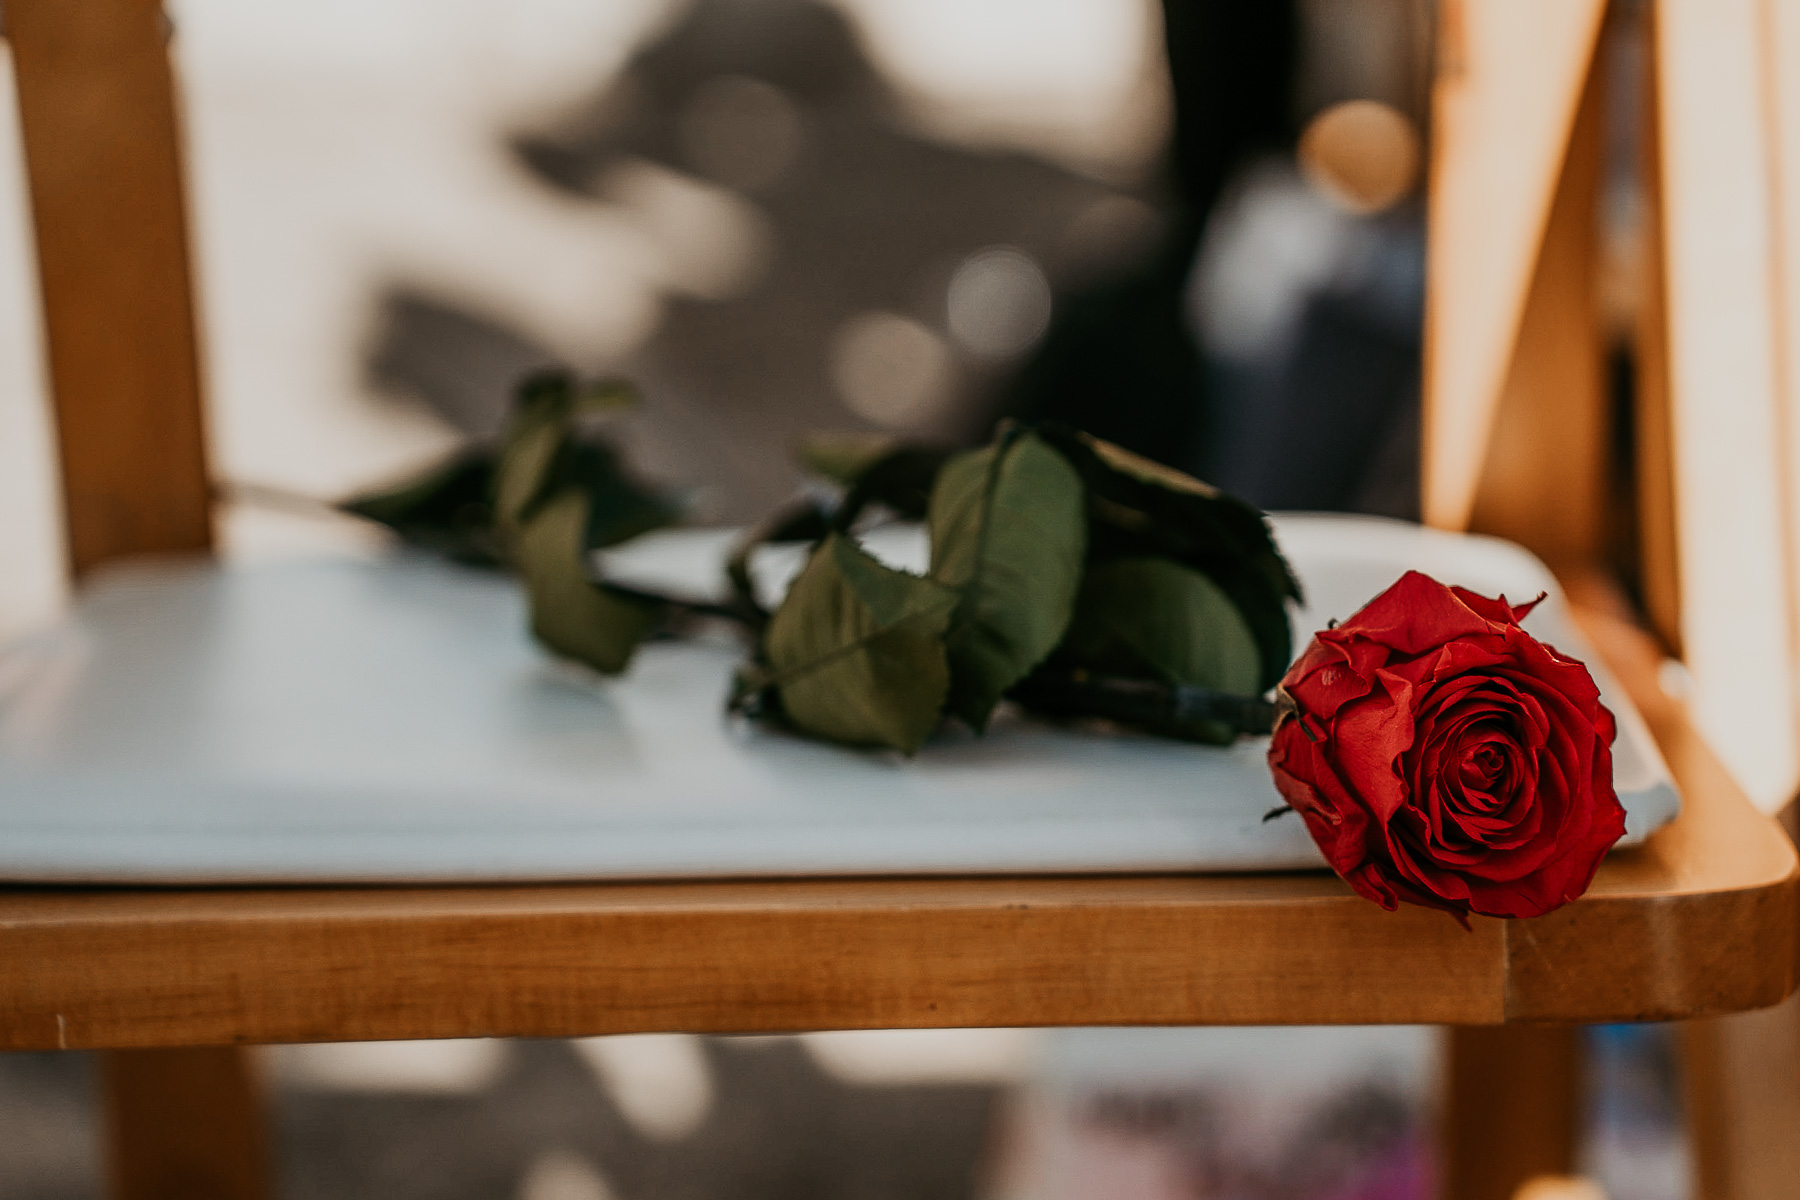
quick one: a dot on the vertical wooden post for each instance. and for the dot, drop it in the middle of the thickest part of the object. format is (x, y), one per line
(1544, 481)
(1512, 1108)
(184, 1125)
(1722, 245)
(1742, 1090)
(103, 159)
(1742, 1072)
(1659, 568)
(1507, 321)
(102, 152)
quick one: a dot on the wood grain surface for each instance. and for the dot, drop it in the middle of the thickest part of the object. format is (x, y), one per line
(102, 149)
(1505, 97)
(185, 1125)
(1653, 433)
(1700, 920)
(1511, 1108)
(1543, 481)
(1733, 464)
(173, 968)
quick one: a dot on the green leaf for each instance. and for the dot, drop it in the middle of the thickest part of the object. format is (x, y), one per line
(901, 481)
(445, 510)
(1139, 508)
(804, 521)
(1183, 709)
(1150, 617)
(557, 496)
(856, 654)
(1008, 529)
(467, 507)
(842, 457)
(618, 508)
(569, 614)
(549, 496)
(535, 463)
(874, 468)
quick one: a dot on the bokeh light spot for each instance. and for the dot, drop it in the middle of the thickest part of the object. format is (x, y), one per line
(1362, 153)
(739, 131)
(998, 303)
(891, 369)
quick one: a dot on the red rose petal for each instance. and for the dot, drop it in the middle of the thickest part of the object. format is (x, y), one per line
(1453, 760)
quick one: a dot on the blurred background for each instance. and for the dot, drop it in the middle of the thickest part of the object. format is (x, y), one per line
(777, 216)
(987, 1114)
(1193, 227)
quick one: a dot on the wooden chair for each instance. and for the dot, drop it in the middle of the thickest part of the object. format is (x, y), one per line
(1702, 920)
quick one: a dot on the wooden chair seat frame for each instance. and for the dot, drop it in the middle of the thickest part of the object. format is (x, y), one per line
(1701, 920)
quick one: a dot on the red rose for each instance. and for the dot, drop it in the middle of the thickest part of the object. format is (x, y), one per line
(1441, 755)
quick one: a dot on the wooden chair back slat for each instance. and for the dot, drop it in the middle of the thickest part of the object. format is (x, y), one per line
(1511, 77)
(1653, 433)
(1543, 480)
(102, 147)
(1517, 412)
(1733, 471)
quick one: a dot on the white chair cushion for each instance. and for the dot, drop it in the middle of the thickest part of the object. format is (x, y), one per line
(346, 720)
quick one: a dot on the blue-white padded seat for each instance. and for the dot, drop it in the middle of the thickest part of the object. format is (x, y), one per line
(349, 720)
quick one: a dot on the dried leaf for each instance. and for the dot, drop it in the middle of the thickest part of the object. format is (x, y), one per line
(1140, 508)
(618, 508)
(569, 614)
(460, 508)
(1008, 530)
(855, 653)
(445, 510)
(558, 496)
(842, 457)
(1157, 619)
(804, 521)
(900, 481)
(1181, 709)
(536, 461)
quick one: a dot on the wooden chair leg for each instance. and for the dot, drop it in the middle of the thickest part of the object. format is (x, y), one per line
(1742, 1077)
(1742, 1085)
(185, 1125)
(1512, 1108)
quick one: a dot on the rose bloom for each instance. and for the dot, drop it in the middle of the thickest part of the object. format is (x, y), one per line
(1441, 755)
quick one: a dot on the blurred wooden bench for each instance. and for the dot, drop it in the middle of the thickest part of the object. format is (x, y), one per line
(1701, 920)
